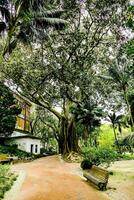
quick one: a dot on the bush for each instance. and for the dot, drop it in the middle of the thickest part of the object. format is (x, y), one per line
(6, 179)
(97, 156)
(86, 164)
(13, 151)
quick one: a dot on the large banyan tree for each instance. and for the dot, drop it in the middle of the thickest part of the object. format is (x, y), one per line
(60, 71)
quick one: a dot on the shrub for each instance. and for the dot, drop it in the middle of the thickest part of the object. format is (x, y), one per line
(13, 151)
(4, 170)
(86, 164)
(97, 156)
(6, 179)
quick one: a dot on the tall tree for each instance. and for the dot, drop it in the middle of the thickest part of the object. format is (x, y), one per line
(122, 77)
(116, 122)
(63, 73)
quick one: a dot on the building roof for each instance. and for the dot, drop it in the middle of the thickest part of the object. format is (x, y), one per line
(21, 134)
(24, 136)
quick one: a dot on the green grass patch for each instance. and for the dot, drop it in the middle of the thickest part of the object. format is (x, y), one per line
(6, 179)
(123, 175)
(106, 137)
(125, 156)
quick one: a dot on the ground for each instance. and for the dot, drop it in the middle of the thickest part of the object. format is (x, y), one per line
(50, 178)
(121, 184)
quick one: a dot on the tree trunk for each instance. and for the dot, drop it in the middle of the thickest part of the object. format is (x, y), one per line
(116, 140)
(85, 136)
(68, 140)
(129, 109)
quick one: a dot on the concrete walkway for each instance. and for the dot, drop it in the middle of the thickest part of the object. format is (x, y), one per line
(50, 179)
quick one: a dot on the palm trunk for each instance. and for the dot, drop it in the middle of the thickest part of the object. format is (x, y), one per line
(85, 136)
(116, 140)
(129, 109)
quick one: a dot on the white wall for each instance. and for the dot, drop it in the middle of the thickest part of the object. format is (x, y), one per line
(25, 144)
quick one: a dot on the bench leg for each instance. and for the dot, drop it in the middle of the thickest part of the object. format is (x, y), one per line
(102, 186)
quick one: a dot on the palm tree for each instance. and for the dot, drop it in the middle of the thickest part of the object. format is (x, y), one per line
(121, 76)
(26, 21)
(128, 142)
(116, 121)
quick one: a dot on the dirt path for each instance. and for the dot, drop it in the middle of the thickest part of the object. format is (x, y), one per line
(52, 179)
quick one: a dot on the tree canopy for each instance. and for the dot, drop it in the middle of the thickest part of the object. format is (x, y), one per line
(27, 21)
(65, 69)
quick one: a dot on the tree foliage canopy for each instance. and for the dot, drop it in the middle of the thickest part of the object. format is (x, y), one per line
(64, 70)
(27, 21)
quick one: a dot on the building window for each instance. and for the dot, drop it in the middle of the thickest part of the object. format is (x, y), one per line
(36, 148)
(20, 123)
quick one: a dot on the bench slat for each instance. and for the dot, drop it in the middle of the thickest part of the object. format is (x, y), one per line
(98, 176)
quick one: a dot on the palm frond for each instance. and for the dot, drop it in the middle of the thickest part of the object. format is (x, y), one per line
(119, 117)
(4, 10)
(51, 13)
(105, 77)
(45, 22)
(2, 26)
(115, 74)
(10, 47)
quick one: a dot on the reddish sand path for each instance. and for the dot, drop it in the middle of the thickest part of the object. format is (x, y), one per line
(50, 179)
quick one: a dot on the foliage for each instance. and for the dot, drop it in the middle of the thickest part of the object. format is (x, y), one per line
(86, 164)
(127, 143)
(8, 111)
(130, 21)
(27, 21)
(62, 70)
(13, 151)
(99, 155)
(130, 24)
(131, 101)
(6, 179)
(88, 113)
(116, 121)
(106, 138)
(126, 157)
(44, 125)
(120, 75)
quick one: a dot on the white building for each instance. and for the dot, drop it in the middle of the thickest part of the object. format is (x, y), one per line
(25, 142)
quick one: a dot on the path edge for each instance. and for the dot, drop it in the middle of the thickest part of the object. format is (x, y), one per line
(15, 189)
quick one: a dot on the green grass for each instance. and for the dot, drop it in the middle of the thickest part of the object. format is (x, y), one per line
(126, 157)
(123, 175)
(6, 179)
(106, 136)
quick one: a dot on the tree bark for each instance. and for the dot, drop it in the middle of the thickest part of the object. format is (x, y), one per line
(116, 140)
(129, 109)
(68, 140)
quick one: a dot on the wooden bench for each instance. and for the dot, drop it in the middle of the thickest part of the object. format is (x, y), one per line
(6, 161)
(98, 176)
